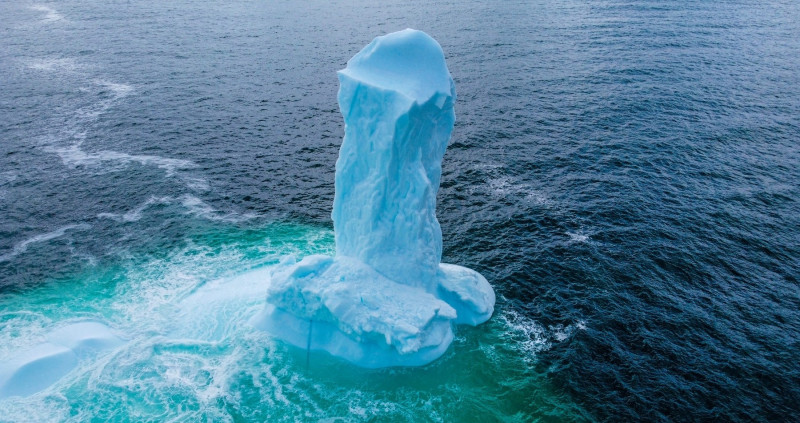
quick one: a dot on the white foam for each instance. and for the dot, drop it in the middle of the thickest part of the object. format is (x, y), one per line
(202, 209)
(525, 332)
(561, 333)
(500, 186)
(185, 318)
(531, 337)
(19, 329)
(578, 237)
(119, 90)
(192, 205)
(73, 156)
(54, 64)
(23, 246)
(136, 214)
(538, 199)
(195, 183)
(505, 186)
(112, 161)
(50, 14)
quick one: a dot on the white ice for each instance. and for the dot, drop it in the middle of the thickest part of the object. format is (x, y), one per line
(384, 299)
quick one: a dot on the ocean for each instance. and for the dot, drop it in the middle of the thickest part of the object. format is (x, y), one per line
(625, 174)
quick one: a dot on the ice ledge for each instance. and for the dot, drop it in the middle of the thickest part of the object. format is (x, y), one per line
(343, 306)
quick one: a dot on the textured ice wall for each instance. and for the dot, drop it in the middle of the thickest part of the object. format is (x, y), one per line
(396, 96)
(385, 299)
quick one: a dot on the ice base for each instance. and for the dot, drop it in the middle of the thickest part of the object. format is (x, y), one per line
(343, 306)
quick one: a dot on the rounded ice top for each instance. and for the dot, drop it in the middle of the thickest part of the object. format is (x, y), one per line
(409, 62)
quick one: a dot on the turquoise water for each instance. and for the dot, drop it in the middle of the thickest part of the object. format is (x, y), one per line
(192, 356)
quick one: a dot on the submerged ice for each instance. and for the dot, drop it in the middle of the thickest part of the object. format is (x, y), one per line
(384, 299)
(34, 369)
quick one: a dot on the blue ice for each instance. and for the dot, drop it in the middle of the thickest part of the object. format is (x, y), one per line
(385, 299)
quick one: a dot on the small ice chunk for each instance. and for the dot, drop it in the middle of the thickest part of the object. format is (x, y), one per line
(468, 292)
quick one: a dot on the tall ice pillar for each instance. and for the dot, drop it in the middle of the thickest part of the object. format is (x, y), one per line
(396, 96)
(384, 299)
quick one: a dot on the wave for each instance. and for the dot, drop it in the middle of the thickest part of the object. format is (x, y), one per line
(7, 177)
(561, 332)
(529, 335)
(23, 246)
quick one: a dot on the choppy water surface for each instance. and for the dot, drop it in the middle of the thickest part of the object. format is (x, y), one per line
(626, 175)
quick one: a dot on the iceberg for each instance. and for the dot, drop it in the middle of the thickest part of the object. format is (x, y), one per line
(385, 299)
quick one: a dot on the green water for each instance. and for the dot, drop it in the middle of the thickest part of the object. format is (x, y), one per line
(192, 356)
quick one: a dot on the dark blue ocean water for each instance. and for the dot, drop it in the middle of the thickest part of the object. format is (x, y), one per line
(625, 174)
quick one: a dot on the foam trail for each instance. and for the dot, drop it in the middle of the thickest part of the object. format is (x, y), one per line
(50, 14)
(578, 237)
(73, 156)
(202, 209)
(77, 127)
(119, 90)
(193, 205)
(136, 214)
(196, 183)
(23, 246)
(61, 64)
